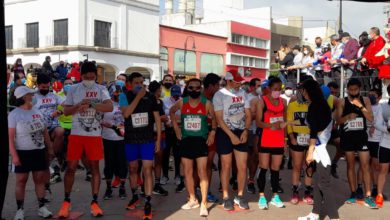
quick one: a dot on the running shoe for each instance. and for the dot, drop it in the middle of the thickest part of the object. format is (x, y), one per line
(241, 202)
(44, 212)
(133, 203)
(308, 199)
(295, 198)
(108, 194)
(211, 198)
(359, 193)
(370, 203)
(352, 199)
(88, 177)
(96, 211)
(379, 201)
(277, 202)
(148, 211)
(116, 182)
(333, 171)
(159, 190)
(263, 203)
(122, 192)
(64, 211)
(203, 211)
(180, 188)
(251, 187)
(55, 178)
(164, 180)
(310, 216)
(228, 205)
(19, 215)
(191, 204)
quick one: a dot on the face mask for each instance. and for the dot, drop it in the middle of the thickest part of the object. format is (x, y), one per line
(306, 52)
(34, 100)
(194, 94)
(318, 45)
(23, 81)
(120, 83)
(88, 83)
(168, 85)
(44, 91)
(137, 89)
(175, 97)
(182, 83)
(355, 96)
(295, 52)
(288, 92)
(372, 99)
(259, 91)
(67, 87)
(116, 98)
(275, 94)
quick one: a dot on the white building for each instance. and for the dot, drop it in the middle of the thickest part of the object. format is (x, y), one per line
(310, 34)
(120, 35)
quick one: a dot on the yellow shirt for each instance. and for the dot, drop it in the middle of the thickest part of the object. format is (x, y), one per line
(297, 112)
(165, 93)
(65, 121)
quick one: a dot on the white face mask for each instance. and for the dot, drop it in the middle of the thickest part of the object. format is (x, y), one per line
(306, 52)
(288, 92)
(88, 83)
(259, 91)
(182, 83)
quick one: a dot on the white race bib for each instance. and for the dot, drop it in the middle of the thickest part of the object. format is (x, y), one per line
(275, 119)
(303, 139)
(356, 124)
(192, 124)
(140, 120)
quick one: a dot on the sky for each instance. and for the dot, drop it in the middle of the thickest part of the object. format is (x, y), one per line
(357, 16)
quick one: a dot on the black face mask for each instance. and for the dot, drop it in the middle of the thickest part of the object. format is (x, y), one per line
(372, 99)
(116, 98)
(44, 91)
(168, 85)
(355, 96)
(194, 94)
(318, 45)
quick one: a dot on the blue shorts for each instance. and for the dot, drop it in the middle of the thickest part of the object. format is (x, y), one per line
(139, 151)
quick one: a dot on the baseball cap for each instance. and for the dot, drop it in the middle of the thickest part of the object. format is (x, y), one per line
(175, 90)
(22, 91)
(234, 75)
(264, 84)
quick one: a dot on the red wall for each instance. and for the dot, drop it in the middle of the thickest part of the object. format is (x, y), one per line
(249, 30)
(252, 51)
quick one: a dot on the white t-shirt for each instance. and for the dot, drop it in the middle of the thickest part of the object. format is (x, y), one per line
(377, 135)
(233, 104)
(47, 105)
(29, 128)
(168, 103)
(115, 118)
(87, 123)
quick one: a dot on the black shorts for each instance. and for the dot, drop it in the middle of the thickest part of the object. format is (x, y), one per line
(225, 145)
(298, 148)
(373, 147)
(383, 155)
(32, 160)
(354, 143)
(193, 147)
(271, 150)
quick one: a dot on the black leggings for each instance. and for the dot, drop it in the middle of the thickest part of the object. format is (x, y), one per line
(171, 143)
(114, 159)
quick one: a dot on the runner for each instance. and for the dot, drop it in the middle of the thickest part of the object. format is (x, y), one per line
(353, 112)
(194, 138)
(320, 123)
(234, 118)
(29, 144)
(382, 123)
(271, 117)
(210, 87)
(299, 135)
(140, 111)
(114, 146)
(253, 139)
(86, 101)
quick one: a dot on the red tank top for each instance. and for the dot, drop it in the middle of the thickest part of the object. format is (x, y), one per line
(272, 138)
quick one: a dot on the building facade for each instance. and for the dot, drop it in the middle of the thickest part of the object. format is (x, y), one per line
(120, 35)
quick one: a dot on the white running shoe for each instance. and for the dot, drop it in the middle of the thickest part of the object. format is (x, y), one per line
(310, 216)
(19, 215)
(44, 212)
(164, 180)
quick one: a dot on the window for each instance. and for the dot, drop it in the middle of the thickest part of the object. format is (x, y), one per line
(102, 34)
(190, 62)
(248, 61)
(249, 41)
(236, 60)
(211, 63)
(32, 34)
(236, 38)
(261, 43)
(261, 63)
(61, 32)
(8, 37)
(164, 60)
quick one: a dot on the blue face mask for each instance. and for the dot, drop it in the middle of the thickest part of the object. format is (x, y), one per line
(23, 81)
(137, 89)
(120, 83)
(67, 87)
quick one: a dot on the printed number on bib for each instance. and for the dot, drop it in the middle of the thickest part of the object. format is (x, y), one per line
(275, 119)
(303, 139)
(192, 124)
(140, 120)
(356, 124)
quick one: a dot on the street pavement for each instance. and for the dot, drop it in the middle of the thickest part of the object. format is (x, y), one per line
(169, 207)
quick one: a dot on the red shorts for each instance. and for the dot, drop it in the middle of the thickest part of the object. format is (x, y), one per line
(91, 146)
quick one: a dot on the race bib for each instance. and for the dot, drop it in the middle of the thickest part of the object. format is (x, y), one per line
(192, 124)
(140, 120)
(275, 119)
(356, 124)
(303, 139)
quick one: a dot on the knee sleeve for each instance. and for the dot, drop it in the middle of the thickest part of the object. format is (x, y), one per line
(261, 179)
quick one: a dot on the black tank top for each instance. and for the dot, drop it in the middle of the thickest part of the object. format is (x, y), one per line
(354, 128)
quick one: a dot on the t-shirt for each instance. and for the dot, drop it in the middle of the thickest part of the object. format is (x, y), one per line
(65, 121)
(377, 135)
(115, 118)
(233, 104)
(30, 127)
(47, 105)
(87, 123)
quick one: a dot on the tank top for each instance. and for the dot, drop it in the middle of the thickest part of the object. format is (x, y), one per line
(194, 119)
(272, 138)
(356, 128)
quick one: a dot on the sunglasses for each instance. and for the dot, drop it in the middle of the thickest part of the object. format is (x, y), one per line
(194, 88)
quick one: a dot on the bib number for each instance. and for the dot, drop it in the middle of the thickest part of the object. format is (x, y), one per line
(303, 139)
(192, 124)
(356, 124)
(140, 120)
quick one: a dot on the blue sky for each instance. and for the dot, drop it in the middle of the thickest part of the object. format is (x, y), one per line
(357, 17)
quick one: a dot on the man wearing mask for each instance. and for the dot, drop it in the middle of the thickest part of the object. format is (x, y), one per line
(349, 55)
(288, 92)
(377, 43)
(298, 56)
(319, 73)
(336, 54)
(167, 84)
(62, 71)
